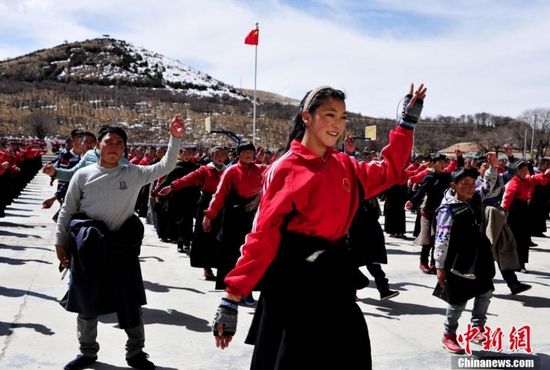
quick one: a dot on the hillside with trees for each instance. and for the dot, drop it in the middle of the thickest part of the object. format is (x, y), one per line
(94, 82)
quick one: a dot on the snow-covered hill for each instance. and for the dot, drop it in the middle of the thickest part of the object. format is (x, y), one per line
(107, 61)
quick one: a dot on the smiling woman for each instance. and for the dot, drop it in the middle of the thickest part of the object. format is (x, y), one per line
(297, 251)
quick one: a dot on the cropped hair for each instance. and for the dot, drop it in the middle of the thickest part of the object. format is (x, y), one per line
(112, 130)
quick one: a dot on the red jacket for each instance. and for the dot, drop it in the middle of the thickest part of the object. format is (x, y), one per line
(538, 179)
(422, 171)
(245, 180)
(516, 188)
(413, 169)
(206, 177)
(136, 160)
(322, 192)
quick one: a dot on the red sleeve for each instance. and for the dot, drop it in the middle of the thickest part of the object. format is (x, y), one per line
(539, 179)
(218, 199)
(419, 177)
(452, 166)
(262, 243)
(509, 194)
(411, 170)
(377, 176)
(195, 178)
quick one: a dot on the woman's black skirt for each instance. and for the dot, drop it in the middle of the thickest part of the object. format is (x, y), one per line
(307, 314)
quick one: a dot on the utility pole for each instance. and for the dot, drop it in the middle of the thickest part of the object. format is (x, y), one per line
(533, 134)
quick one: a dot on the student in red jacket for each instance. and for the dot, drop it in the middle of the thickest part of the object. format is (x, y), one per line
(515, 201)
(204, 246)
(236, 194)
(307, 312)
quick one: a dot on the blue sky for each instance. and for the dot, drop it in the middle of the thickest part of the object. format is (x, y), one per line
(474, 56)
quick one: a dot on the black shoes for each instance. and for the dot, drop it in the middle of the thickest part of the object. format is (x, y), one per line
(209, 275)
(387, 294)
(80, 362)
(140, 361)
(519, 288)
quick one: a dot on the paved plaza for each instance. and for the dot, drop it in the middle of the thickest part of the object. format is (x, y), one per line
(37, 333)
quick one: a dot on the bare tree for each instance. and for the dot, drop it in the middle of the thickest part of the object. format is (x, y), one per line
(539, 122)
(40, 124)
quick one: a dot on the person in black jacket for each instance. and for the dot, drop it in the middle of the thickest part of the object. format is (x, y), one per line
(463, 257)
(429, 197)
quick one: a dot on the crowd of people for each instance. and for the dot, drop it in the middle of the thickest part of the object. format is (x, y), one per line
(19, 162)
(295, 225)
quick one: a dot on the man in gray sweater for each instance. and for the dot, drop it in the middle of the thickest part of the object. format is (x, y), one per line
(107, 192)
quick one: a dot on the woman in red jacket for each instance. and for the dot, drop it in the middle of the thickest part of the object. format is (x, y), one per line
(307, 312)
(204, 246)
(235, 195)
(515, 200)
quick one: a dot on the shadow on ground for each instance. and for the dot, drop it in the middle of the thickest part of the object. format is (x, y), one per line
(527, 301)
(6, 328)
(394, 308)
(13, 224)
(166, 317)
(14, 293)
(159, 288)
(18, 235)
(15, 261)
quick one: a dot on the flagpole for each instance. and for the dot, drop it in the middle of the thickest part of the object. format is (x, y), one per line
(255, 78)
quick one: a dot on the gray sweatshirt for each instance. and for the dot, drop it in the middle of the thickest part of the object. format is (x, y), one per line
(110, 194)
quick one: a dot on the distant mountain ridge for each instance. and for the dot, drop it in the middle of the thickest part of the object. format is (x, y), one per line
(104, 80)
(107, 61)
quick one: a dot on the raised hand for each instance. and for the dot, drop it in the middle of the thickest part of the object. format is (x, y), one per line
(260, 154)
(507, 150)
(177, 126)
(349, 144)
(419, 94)
(412, 106)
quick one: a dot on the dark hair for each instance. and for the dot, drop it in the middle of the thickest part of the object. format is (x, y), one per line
(462, 172)
(112, 130)
(521, 164)
(89, 134)
(245, 145)
(77, 132)
(438, 157)
(320, 96)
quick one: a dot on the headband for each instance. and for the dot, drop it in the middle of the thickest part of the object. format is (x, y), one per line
(311, 95)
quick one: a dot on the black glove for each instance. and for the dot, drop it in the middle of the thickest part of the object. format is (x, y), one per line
(410, 115)
(227, 316)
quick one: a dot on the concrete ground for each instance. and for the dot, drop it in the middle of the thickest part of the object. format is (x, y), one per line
(36, 333)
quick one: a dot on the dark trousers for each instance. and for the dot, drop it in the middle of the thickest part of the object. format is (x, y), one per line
(427, 253)
(379, 276)
(510, 277)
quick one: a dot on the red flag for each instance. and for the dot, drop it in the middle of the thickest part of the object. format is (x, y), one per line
(253, 37)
